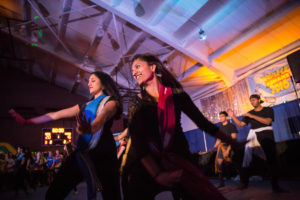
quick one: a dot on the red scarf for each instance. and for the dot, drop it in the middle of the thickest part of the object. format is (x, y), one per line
(166, 116)
(193, 182)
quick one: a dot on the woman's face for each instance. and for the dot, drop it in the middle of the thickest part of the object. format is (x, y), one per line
(94, 84)
(142, 72)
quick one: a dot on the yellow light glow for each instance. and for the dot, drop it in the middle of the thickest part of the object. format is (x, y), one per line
(69, 135)
(50, 142)
(64, 141)
(47, 135)
(278, 35)
(58, 130)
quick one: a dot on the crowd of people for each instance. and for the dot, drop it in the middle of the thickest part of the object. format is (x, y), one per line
(157, 156)
(28, 170)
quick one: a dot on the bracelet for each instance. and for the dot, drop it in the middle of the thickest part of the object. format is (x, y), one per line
(156, 175)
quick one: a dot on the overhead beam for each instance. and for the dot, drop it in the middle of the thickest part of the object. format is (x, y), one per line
(138, 39)
(162, 11)
(257, 28)
(50, 28)
(188, 72)
(62, 24)
(27, 17)
(268, 60)
(199, 18)
(170, 40)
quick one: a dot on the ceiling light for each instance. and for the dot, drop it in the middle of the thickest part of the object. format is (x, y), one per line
(78, 77)
(100, 31)
(202, 34)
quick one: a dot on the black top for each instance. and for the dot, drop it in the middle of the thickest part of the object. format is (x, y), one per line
(144, 125)
(228, 129)
(266, 112)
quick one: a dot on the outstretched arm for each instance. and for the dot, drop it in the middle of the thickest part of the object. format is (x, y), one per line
(192, 111)
(235, 119)
(64, 113)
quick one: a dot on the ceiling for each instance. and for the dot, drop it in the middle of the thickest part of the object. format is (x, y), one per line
(64, 40)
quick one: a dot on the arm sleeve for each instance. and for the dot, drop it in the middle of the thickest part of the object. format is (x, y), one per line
(191, 110)
(246, 120)
(233, 129)
(138, 131)
(271, 113)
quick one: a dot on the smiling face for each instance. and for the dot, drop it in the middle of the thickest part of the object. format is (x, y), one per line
(94, 85)
(142, 72)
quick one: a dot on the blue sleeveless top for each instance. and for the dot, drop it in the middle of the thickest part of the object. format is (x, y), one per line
(90, 111)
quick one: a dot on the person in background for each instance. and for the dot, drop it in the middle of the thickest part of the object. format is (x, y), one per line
(57, 161)
(223, 149)
(50, 167)
(39, 162)
(261, 138)
(10, 168)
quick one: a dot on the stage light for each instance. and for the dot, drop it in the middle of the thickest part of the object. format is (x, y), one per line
(202, 34)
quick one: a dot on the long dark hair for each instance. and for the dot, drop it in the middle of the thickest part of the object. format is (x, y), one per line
(109, 88)
(163, 75)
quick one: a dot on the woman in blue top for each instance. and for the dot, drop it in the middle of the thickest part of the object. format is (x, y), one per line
(99, 153)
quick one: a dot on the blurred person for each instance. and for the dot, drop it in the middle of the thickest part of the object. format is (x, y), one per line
(223, 149)
(100, 151)
(262, 142)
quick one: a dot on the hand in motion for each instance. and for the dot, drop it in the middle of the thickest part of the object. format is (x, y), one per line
(83, 125)
(226, 154)
(212, 149)
(230, 112)
(169, 178)
(248, 115)
(17, 117)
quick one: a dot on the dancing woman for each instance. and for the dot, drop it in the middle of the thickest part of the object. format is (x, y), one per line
(101, 150)
(164, 161)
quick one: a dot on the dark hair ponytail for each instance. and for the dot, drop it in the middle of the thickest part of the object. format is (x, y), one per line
(109, 88)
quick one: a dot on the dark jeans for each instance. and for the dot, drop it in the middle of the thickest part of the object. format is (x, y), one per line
(266, 140)
(104, 157)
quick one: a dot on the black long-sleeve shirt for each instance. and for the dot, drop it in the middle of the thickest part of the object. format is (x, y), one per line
(144, 125)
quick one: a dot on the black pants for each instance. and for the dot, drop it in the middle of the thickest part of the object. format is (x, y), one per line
(104, 157)
(266, 140)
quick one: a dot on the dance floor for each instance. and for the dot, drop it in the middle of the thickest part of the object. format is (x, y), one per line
(257, 190)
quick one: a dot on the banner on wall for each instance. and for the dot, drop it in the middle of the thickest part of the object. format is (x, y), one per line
(272, 83)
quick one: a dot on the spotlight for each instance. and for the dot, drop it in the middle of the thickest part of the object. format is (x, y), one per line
(202, 34)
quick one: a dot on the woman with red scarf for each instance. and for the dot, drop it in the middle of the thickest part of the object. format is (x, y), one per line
(164, 161)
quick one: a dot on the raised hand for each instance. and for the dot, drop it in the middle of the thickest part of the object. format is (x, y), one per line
(83, 125)
(17, 117)
(230, 112)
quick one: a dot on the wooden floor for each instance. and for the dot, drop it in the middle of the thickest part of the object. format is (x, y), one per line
(257, 190)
